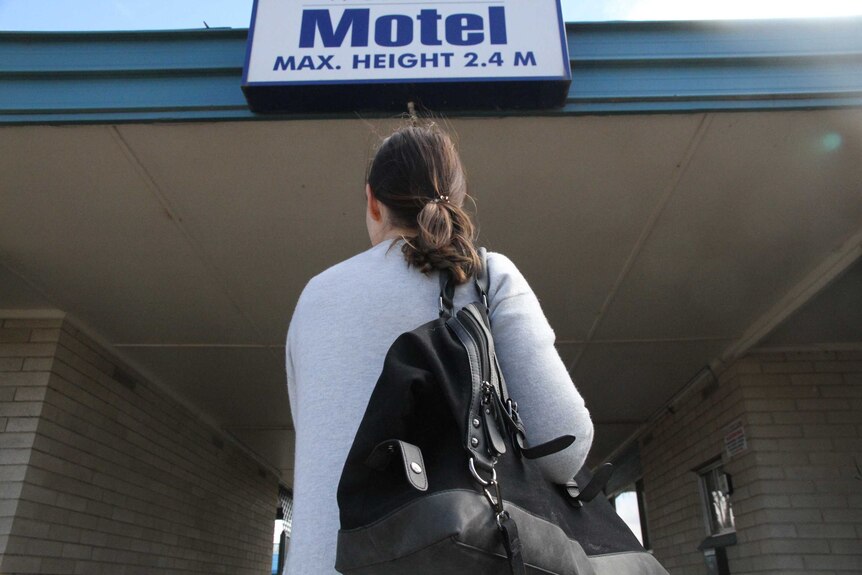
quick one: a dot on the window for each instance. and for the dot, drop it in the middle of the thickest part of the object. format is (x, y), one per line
(281, 533)
(716, 489)
(629, 504)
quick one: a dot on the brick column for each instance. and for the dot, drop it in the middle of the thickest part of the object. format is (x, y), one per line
(102, 472)
(798, 490)
(27, 348)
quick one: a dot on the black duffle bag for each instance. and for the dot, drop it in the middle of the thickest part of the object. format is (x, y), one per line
(439, 478)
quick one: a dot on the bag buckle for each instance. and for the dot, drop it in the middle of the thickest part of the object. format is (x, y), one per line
(496, 498)
(477, 477)
(495, 501)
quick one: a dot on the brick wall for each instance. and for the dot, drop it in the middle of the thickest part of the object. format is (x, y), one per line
(798, 497)
(114, 475)
(26, 355)
(680, 442)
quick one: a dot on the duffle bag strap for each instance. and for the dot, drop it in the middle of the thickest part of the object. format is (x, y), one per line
(481, 280)
(447, 287)
(447, 294)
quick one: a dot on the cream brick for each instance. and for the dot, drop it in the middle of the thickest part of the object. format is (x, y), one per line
(30, 393)
(782, 391)
(18, 564)
(31, 323)
(771, 405)
(37, 364)
(848, 444)
(844, 546)
(763, 418)
(11, 456)
(823, 404)
(76, 551)
(26, 527)
(20, 409)
(832, 431)
(775, 431)
(11, 489)
(800, 417)
(23, 378)
(811, 446)
(817, 379)
(826, 531)
(772, 531)
(58, 566)
(820, 501)
(31, 546)
(8, 507)
(795, 546)
(11, 363)
(853, 516)
(65, 533)
(766, 459)
(839, 366)
(27, 350)
(841, 391)
(22, 424)
(13, 440)
(787, 367)
(813, 355)
(49, 335)
(14, 335)
(71, 502)
(82, 353)
(847, 563)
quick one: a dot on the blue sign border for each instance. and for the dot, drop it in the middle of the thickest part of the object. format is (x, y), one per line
(266, 100)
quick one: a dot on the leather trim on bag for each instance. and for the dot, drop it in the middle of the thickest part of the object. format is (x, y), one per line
(411, 459)
(471, 348)
(464, 516)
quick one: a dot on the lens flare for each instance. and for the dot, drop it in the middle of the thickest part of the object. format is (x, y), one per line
(831, 142)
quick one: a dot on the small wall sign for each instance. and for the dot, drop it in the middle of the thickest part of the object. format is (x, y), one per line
(735, 442)
(336, 55)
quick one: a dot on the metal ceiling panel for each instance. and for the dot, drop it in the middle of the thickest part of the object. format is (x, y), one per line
(269, 204)
(275, 446)
(628, 382)
(568, 352)
(566, 199)
(766, 198)
(78, 221)
(238, 386)
(832, 316)
(15, 293)
(608, 436)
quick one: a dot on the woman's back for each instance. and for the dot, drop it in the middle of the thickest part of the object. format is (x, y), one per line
(346, 319)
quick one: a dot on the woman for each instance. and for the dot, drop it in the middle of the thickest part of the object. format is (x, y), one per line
(349, 315)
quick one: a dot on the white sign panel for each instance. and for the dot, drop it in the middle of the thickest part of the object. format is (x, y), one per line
(355, 41)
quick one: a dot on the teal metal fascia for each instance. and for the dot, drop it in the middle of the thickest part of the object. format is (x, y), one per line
(617, 67)
(715, 65)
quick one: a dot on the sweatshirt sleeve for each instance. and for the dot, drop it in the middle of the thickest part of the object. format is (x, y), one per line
(291, 380)
(548, 402)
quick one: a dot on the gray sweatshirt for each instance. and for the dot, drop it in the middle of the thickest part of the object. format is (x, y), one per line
(345, 321)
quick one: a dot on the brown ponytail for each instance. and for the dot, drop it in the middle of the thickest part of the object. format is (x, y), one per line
(417, 174)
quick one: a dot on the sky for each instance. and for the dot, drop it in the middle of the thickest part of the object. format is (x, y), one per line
(47, 15)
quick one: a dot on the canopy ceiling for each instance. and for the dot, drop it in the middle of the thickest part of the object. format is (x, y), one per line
(658, 244)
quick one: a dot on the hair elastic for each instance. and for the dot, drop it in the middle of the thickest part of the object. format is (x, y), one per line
(438, 199)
